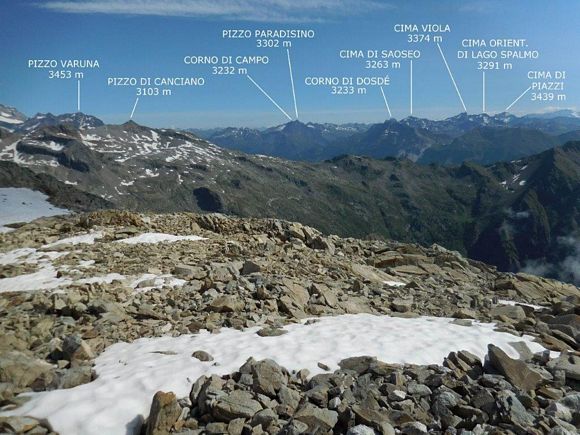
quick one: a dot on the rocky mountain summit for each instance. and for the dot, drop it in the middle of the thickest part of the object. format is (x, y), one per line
(10, 118)
(73, 288)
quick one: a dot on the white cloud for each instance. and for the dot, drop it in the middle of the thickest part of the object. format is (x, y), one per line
(516, 215)
(549, 109)
(246, 10)
(566, 270)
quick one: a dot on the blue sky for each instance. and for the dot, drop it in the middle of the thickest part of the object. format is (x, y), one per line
(151, 37)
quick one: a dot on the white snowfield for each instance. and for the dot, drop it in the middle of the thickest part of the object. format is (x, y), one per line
(43, 279)
(129, 374)
(127, 145)
(9, 119)
(46, 276)
(394, 283)
(24, 205)
(506, 302)
(88, 239)
(147, 238)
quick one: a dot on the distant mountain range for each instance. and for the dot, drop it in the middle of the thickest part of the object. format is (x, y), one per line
(294, 140)
(487, 145)
(14, 121)
(519, 214)
(479, 138)
(449, 141)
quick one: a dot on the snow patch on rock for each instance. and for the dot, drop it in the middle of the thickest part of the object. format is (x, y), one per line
(133, 372)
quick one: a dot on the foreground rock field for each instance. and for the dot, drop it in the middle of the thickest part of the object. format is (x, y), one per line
(71, 287)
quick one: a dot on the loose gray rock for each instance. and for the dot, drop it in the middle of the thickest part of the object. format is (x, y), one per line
(20, 425)
(163, 414)
(414, 428)
(268, 377)
(24, 371)
(571, 401)
(264, 418)
(326, 293)
(226, 304)
(294, 427)
(402, 305)
(316, 418)
(271, 332)
(250, 267)
(514, 312)
(358, 364)
(517, 372)
(568, 363)
(75, 376)
(559, 411)
(187, 272)
(416, 389)
(237, 404)
(75, 348)
(202, 355)
(511, 409)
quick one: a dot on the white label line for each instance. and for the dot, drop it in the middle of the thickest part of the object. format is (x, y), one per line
(411, 87)
(386, 102)
(452, 79)
(483, 92)
(78, 95)
(292, 81)
(517, 99)
(134, 107)
(269, 98)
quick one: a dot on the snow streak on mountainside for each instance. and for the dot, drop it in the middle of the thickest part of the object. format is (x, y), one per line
(469, 208)
(10, 118)
(410, 137)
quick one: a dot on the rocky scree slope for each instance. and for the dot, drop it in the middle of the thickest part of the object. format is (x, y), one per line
(268, 273)
(369, 397)
(476, 210)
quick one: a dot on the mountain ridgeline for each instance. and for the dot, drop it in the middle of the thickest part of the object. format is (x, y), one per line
(294, 140)
(477, 138)
(490, 144)
(520, 214)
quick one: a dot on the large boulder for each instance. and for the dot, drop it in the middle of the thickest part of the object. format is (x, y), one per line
(511, 409)
(18, 425)
(517, 372)
(568, 363)
(268, 377)
(226, 304)
(569, 324)
(23, 371)
(237, 404)
(358, 364)
(163, 414)
(324, 292)
(513, 312)
(318, 420)
(75, 348)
